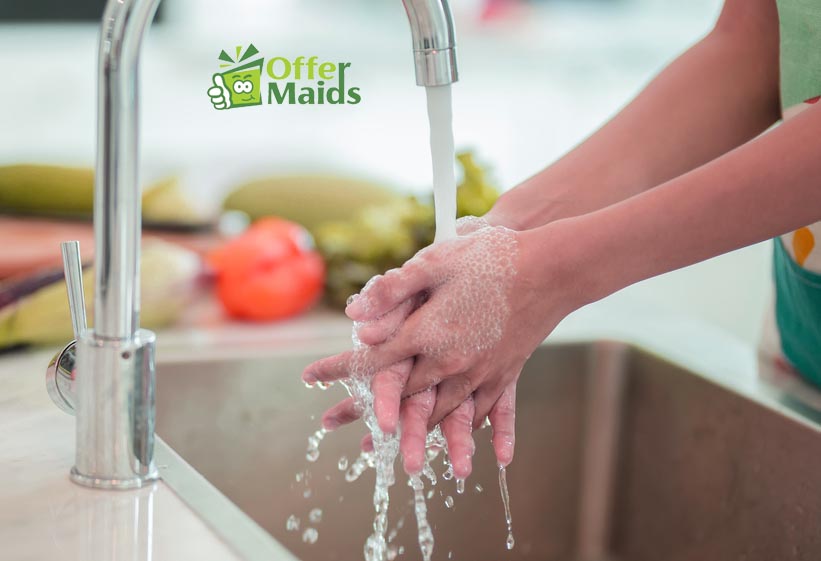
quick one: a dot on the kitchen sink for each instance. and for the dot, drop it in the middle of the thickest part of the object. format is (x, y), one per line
(620, 455)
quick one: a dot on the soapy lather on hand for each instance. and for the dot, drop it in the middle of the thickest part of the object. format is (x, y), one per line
(460, 319)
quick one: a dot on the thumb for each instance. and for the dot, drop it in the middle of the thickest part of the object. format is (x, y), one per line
(220, 83)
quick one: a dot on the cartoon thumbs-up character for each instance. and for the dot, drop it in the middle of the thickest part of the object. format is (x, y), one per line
(239, 87)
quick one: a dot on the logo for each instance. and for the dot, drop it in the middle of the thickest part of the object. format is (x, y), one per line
(302, 81)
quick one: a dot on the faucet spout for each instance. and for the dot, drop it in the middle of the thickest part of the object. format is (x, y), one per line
(434, 43)
(116, 189)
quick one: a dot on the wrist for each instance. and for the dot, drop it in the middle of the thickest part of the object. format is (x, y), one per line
(497, 216)
(560, 258)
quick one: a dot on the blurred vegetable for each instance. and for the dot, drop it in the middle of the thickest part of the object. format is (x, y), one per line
(384, 236)
(475, 196)
(166, 204)
(34, 310)
(269, 272)
(52, 190)
(309, 200)
(44, 190)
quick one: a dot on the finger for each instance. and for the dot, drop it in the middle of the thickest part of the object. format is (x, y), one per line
(215, 91)
(381, 329)
(486, 397)
(458, 430)
(340, 414)
(366, 445)
(387, 390)
(503, 420)
(384, 293)
(450, 394)
(414, 414)
(328, 369)
(403, 345)
(427, 371)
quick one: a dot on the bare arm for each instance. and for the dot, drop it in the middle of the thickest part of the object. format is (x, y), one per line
(767, 187)
(721, 93)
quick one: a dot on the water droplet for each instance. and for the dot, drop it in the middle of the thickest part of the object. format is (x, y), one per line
(315, 515)
(448, 475)
(460, 486)
(510, 542)
(450, 555)
(310, 535)
(478, 488)
(324, 385)
(306, 494)
(449, 501)
(309, 385)
(312, 454)
(292, 524)
(299, 476)
(430, 493)
(342, 464)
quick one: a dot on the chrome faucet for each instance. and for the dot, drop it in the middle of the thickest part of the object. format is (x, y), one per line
(113, 393)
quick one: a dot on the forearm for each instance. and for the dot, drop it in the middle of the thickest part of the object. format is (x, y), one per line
(765, 188)
(718, 95)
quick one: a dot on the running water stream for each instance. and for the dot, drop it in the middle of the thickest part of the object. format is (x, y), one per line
(386, 446)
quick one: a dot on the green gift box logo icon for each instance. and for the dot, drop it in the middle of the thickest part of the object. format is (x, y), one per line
(239, 86)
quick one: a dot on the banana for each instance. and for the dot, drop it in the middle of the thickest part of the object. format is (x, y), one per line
(168, 277)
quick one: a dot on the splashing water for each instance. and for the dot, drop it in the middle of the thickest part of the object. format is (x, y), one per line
(440, 116)
(310, 535)
(510, 542)
(421, 510)
(312, 454)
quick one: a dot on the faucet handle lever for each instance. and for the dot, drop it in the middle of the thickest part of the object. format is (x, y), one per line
(73, 268)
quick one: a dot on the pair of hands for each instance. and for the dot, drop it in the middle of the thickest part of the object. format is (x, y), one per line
(447, 335)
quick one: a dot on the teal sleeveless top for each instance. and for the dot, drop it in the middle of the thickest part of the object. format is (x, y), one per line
(797, 255)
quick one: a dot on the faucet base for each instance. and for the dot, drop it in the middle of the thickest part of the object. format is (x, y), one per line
(113, 484)
(115, 411)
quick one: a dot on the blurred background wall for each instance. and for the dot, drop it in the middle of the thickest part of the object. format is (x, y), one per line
(536, 78)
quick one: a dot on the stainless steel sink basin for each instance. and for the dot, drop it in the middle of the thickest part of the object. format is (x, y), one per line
(620, 455)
